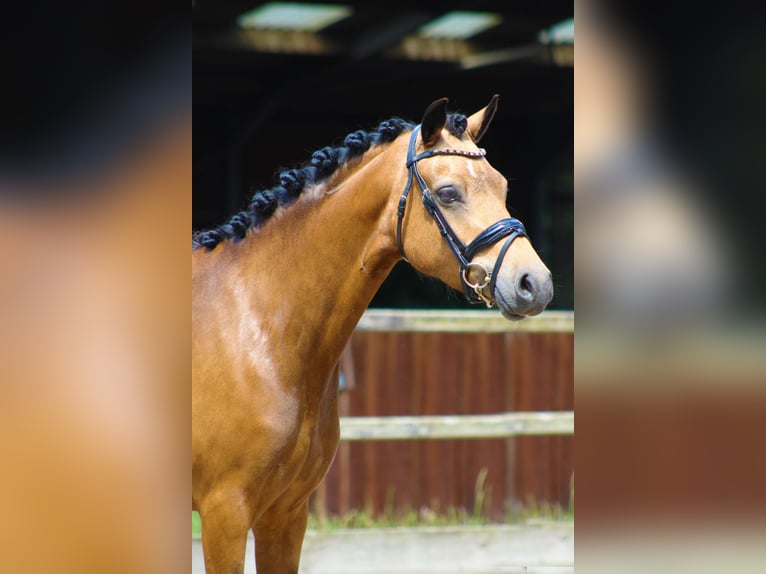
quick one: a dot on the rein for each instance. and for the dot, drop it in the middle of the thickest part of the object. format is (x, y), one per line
(509, 227)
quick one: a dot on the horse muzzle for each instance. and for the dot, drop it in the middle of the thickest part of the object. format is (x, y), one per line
(524, 292)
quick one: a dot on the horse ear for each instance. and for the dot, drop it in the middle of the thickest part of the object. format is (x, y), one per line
(479, 122)
(433, 121)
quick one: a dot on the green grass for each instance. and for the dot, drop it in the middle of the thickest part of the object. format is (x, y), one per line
(515, 513)
(432, 516)
(196, 525)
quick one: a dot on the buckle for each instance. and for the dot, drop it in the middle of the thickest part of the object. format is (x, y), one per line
(478, 288)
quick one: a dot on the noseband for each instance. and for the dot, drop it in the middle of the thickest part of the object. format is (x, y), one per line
(509, 227)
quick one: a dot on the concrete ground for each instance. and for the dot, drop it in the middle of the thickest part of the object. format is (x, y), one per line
(545, 547)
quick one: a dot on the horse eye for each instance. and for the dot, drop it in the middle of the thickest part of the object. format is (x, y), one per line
(447, 194)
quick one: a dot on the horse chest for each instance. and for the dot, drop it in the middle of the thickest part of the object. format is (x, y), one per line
(308, 455)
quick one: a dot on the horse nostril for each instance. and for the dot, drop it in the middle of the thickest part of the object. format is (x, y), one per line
(526, 287)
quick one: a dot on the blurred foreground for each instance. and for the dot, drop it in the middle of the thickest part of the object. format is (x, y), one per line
(670, 366)
(95, 205)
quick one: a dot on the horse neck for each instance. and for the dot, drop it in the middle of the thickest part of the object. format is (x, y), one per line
(315, 269)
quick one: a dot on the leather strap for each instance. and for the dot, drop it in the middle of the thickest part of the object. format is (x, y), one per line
(509, 227)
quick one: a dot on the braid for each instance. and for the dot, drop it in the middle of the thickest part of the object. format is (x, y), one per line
(292, 182)
(457, 124)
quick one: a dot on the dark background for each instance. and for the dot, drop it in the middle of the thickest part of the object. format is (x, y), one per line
(257, 111)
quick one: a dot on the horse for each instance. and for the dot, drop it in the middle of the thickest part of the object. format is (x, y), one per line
(279, 288)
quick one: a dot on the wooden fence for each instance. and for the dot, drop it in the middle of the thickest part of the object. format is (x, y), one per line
(490, 390)
(500, 425)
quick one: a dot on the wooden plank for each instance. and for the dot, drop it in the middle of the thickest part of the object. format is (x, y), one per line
(449, 321)
(457, 426)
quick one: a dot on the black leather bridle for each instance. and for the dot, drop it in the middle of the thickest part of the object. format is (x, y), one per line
(509, 227)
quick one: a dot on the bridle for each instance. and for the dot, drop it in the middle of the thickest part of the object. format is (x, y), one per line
(509, 227)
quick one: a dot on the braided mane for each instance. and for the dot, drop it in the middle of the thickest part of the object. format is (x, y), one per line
(292, 182)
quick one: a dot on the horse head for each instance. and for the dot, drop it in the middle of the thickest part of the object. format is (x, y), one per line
(461, 231)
